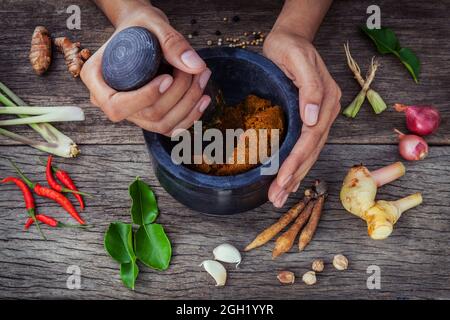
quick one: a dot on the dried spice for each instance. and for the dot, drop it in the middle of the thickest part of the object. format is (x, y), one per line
(252, 113)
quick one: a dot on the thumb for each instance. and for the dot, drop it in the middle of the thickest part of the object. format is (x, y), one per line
(177, 51)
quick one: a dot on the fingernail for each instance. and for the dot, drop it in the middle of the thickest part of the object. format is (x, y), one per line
(274, 198)
(286, 180)
(279, 196)
(204, 77)
(204, 104)
(311, 114)
(165, 84)
(296, 187)
(192, 60)
(282, 200)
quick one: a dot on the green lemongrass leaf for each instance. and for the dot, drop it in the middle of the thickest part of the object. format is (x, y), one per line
(376, 101)
(144, 209)
(64, 146)
(41, 110)
(128, 274)
(119, 242)
(55, 114)
(152, 246)
(386, 42)
(352, 110)
(11, 95)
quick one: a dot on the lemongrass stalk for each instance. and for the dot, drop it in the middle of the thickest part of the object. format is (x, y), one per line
(66, 146)
(39, 110)
(376, 101)
(43, 146)
(353, 108)
(43, 114)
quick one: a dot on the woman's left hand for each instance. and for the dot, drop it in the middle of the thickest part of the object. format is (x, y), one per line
(319, 97)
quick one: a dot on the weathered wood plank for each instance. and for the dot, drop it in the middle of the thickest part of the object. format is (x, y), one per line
(429, 39)
(413, 260)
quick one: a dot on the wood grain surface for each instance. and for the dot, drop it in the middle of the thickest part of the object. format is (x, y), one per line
(414, 261)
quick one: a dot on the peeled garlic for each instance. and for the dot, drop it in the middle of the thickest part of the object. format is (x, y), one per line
(216, 270)
(227, 253)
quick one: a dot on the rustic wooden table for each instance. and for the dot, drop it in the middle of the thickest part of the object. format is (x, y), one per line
(414, 261)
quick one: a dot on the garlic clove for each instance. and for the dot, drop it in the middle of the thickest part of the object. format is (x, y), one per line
(227, 253)
(216, 270)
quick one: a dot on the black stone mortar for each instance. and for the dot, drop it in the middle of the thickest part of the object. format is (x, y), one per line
(238, 73)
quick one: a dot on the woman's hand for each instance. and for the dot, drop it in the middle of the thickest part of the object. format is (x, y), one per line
(319, 97)
(168, 102)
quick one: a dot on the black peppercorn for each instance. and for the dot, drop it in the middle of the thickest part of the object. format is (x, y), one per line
(236, 19)
(218, 33)
(195, 33)
(193, 21)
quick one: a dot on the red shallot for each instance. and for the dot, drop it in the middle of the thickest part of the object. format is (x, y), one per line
(412, 147)
(421, 120)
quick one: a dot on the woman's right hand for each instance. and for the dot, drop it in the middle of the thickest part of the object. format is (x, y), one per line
(168, 102)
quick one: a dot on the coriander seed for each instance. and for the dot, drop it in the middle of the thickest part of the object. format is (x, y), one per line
(317, 265)
(340, 262)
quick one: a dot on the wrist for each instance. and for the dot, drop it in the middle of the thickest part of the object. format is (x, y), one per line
(284, 27)
(302, 17)
(120, 11)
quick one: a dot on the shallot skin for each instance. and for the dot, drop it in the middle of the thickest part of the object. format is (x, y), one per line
(421, 120)
(412, 147)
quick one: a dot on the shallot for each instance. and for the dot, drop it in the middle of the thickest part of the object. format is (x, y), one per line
(412, 147)
(421, 120)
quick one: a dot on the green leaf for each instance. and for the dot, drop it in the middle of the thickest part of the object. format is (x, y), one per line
(153, 247)
(128, 274)
(411, 62)
(385, 39)
(387, 42)
(144, 209)
(119, 242)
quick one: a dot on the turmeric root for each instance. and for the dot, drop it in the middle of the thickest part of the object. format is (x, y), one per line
(310, 228)
(74, 56)
(286, 240)
(358, 197)
(41, 50)
(266, 235)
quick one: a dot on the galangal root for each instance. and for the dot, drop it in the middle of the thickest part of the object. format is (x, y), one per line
(73, 54)
(41, 50)
(274, 229)
(307, 211)
(358, 194)
(286, 240)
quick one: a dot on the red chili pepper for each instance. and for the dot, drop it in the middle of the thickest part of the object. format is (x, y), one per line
(50, 222)
(60, 199)
(28, 198)
(64, 178)
(44, 219)
(51, 194)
